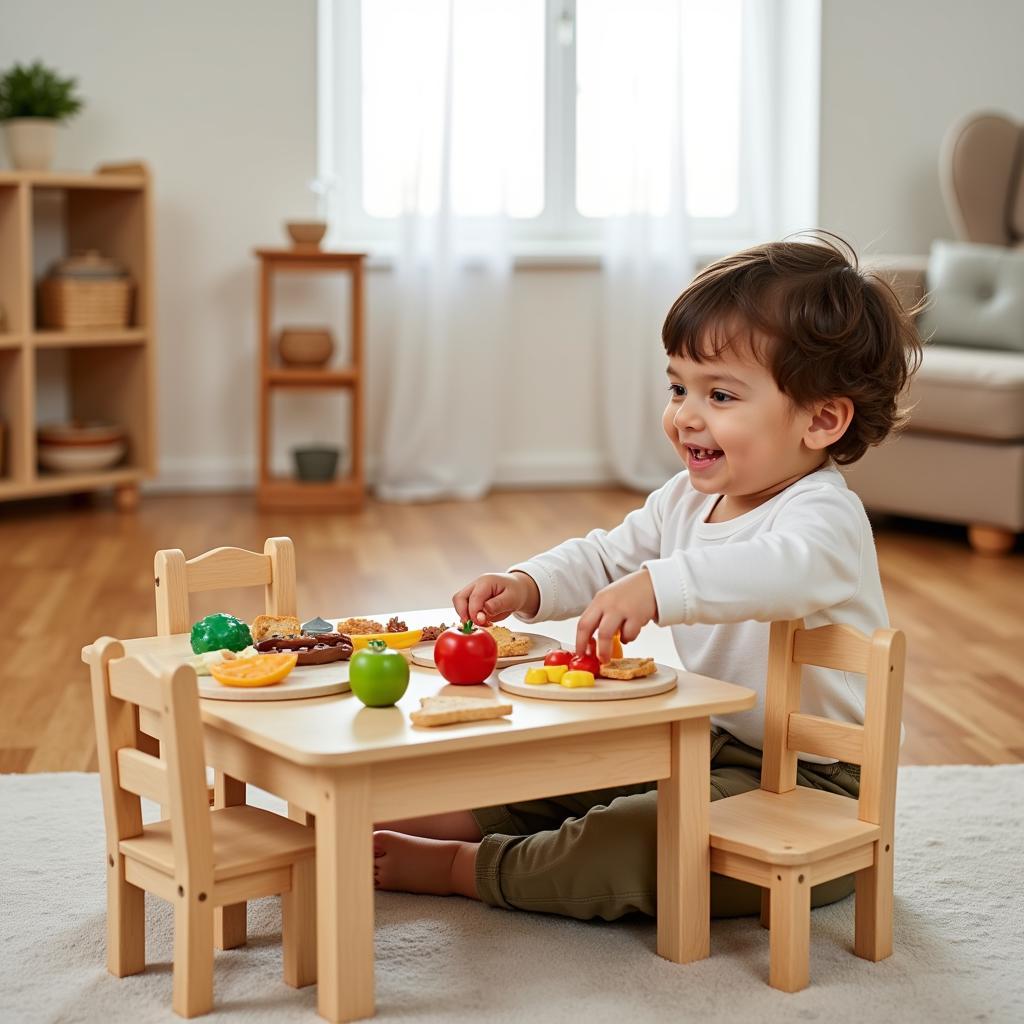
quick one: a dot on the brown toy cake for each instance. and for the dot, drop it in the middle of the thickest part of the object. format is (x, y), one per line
(312, 648)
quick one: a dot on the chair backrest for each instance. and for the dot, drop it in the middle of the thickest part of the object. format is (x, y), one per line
(982, 178)
(177, 780)
(221, 569)
(873, 745)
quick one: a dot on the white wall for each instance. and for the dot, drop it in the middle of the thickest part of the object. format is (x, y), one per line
(220, 99)
(895, 75)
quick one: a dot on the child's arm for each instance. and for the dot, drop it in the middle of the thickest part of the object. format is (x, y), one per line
(561, 582)
(810, 559)
(569, 575)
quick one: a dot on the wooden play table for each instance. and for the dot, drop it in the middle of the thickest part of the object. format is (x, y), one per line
(352, 766)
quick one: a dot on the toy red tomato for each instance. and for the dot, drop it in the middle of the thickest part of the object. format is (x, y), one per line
(558, 658)
(585, 663)
(465, 654)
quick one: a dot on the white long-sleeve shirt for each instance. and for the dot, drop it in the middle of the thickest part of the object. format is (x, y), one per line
(808, 553)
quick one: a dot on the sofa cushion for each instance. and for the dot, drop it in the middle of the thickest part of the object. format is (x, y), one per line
(976, 296)
(968, 392)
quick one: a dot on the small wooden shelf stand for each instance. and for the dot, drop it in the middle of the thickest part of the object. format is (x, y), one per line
(276, 492)
(110, 371)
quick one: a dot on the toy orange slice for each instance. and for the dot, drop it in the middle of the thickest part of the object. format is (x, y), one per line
(263, 670)
(398, 641)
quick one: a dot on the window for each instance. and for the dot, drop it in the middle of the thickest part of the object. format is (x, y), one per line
(539, 126)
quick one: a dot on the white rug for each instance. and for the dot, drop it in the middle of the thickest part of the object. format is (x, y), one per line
(959, 924)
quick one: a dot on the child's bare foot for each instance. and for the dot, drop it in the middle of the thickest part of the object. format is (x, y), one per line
(439, 867)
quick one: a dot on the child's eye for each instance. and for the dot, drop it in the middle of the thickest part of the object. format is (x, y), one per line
(677, 390)
(721, 396)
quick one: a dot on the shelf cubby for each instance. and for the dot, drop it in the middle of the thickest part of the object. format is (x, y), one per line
(101, 383)
(15, 440)
(85, 374)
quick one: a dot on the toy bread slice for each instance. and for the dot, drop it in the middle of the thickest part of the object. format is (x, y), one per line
(628, 668)
(510, 645)
(446, 710)
(264, 626)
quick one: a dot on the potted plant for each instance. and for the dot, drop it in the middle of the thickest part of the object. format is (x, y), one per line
(33, 101)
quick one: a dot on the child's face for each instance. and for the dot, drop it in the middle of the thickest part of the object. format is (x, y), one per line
(731, 407)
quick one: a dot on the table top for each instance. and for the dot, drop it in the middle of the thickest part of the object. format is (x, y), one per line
(340, 730)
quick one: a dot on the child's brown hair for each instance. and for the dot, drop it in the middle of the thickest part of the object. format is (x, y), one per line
(832, 329)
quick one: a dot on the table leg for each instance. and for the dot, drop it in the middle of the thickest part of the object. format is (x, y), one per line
(344, 894)
(684, 856)
(229, 924)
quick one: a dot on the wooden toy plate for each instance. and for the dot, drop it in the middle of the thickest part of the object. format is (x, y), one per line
(423, 654)
(302, 681)
(512, 680)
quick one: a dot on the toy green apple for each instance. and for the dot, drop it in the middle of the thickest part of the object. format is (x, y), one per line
(378, 675)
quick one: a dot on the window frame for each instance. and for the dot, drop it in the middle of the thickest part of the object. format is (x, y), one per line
(560, 228)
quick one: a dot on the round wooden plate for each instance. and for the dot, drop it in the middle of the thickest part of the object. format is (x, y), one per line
(302, 681)
(512, 680)
(423, 654)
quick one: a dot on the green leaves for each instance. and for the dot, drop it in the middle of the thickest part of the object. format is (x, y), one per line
(36, 91)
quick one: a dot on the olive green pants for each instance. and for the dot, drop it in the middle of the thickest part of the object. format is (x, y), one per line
(594, 854)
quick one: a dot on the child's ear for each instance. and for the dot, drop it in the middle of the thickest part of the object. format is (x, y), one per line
(829, 421)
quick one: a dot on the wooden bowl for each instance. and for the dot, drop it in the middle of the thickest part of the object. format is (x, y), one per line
(305, 346)
(79, 434)
(306, 234)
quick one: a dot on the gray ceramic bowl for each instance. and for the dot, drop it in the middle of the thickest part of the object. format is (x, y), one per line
(316, 462)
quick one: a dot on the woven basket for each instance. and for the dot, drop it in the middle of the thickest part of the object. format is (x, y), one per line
(69, 303)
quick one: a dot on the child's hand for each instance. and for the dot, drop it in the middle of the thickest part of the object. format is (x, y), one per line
(496, 595)
(623, 607)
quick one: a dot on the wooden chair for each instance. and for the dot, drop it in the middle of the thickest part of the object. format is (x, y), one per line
(198, 860)
(787, 838)
(221, 569)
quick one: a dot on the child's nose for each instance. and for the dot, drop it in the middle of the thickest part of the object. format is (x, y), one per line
(687, 416)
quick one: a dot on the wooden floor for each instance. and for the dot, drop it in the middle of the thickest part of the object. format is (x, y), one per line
(70, 572)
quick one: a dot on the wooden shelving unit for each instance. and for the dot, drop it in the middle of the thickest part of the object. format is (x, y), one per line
(109, 372)
(276, 492)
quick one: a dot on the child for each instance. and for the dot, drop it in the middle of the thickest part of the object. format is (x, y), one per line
(783, 361)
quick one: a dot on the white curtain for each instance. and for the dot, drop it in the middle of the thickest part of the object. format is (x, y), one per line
(452, 271)
(646, 259)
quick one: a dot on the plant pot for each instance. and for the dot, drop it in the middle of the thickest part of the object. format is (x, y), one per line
(31, 142)
(316, 463)
(305, 346)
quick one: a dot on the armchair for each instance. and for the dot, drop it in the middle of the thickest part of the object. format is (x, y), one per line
(961, 457)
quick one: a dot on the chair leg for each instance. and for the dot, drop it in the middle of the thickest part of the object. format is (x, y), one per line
(298, 925)
(873, 910)
(193, 957)
(229, 923)
(791, 927)
(766, 907)
(126, 922)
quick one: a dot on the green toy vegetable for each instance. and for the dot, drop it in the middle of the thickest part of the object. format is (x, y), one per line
(218, 631)
(378, 675)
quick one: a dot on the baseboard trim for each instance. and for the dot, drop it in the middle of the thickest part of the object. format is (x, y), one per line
(540, 469)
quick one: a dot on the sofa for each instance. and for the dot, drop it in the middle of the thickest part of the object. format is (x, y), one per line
(961, 457)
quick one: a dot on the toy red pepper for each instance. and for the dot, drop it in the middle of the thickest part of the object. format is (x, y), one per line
(465, 654)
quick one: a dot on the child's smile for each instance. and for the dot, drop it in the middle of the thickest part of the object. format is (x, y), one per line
(701, 459)
(735, 431)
